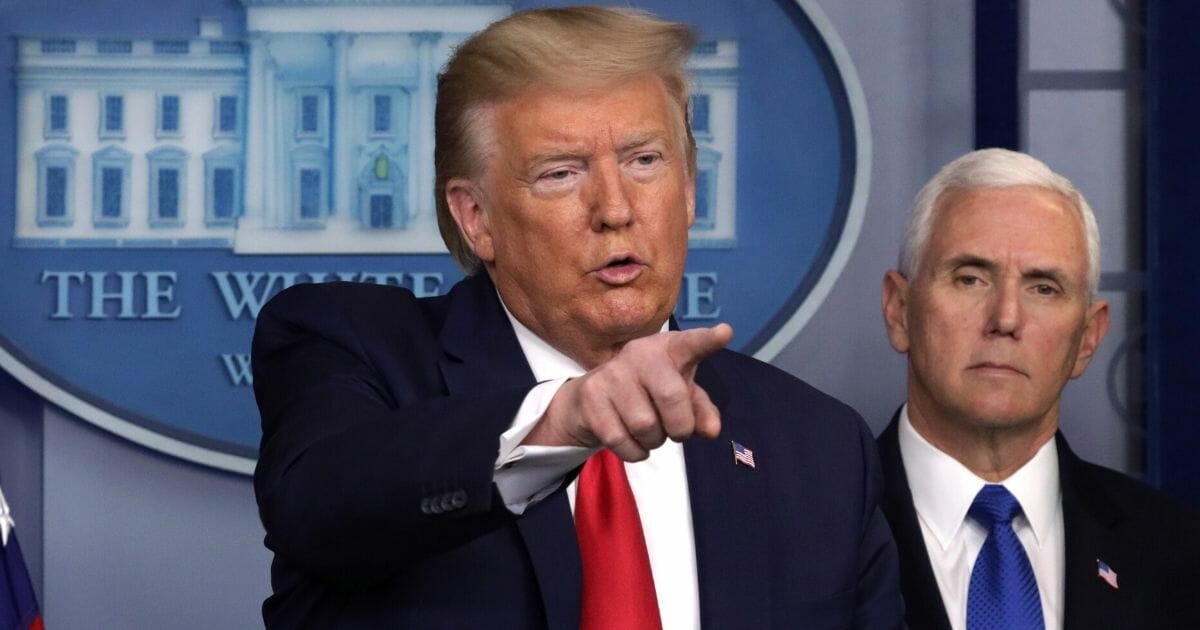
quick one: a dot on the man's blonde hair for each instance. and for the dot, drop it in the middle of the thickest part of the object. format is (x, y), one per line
(575, 48)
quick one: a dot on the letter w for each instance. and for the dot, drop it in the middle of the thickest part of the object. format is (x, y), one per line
(238, 367)
(249, 298)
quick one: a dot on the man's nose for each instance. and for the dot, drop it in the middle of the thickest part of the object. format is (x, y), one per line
(1005, 312)
(612, 207)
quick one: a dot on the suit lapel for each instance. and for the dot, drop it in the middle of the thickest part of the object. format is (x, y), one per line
(922, 599)
(549, 533)
(1089, 520)
(481, 353)
(729, 519)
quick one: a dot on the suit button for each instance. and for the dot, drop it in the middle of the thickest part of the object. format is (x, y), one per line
(458, 499)
(435, 506)
(425, 507)
(447, 503)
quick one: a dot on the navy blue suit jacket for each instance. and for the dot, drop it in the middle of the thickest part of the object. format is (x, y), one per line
(1152, 542)
(381, 417)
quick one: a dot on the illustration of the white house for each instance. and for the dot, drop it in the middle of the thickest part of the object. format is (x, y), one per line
(312, 133)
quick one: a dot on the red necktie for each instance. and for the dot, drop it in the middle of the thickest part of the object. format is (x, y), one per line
(618, 588)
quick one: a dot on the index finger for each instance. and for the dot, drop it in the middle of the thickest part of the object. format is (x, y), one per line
(688, 347)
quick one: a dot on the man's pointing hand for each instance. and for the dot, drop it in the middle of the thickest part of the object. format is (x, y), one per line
(636, 400)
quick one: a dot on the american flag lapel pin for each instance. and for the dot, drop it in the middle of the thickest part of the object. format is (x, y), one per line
(742, 455)
(1105, 572)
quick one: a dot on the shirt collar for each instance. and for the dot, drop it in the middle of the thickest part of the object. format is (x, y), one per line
(544, 359)
(943, 489)
(6, 521)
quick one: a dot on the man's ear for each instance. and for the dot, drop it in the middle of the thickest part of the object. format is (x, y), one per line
(1094, 329)
(895, 309)
(467, 207)
(689, 194)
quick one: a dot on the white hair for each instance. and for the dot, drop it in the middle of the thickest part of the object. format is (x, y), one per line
(994, 168)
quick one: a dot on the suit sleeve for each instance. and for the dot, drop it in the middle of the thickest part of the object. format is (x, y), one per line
(365, 465)
(878, 601)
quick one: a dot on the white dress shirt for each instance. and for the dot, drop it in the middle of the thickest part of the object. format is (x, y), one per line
(943, 490)
(6, 521)
(526, 474)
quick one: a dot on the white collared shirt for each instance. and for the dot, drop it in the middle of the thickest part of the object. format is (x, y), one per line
(943, 490)
(6, 521)
(527, 474)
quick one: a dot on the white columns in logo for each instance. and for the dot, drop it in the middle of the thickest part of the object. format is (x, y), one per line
(255, 180)
(342, 171)
(420, 190)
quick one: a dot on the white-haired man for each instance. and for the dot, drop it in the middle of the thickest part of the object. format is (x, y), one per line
(999, 524)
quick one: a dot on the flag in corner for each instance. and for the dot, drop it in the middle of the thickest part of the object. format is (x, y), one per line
(18, 605)
(1105, 572)
(742, 455)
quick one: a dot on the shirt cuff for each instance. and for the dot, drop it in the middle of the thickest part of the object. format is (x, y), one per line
(526, 474)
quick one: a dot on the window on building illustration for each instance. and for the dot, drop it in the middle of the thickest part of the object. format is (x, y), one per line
(56, 168)
(171, 46)
(168, 193)
(225, 47)
(310, 114)
(310, 193)
(704, 210)
(708, 164)
(381, 119)
(112, 116)
(387, 111)
(381, 211)
(227, 115)
(222, 184)
(168, 115)
(114, 46)
(57, 116)
(110, 187)
(111, 183)
(700, 114)
(223, 193)
(56, 192)
(168, 186)
(58, 46)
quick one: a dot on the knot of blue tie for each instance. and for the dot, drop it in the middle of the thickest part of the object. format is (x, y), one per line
(994, 505)
(1003, 591)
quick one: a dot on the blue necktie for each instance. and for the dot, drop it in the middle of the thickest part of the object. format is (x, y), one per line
(1004, 591)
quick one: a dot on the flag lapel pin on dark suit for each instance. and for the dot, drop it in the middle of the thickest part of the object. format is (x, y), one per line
(742, 456)
(1106, 573)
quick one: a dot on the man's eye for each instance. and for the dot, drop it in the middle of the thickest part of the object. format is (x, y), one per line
(646, 159)
(559, 174)
(1045, 289)
(968, 281)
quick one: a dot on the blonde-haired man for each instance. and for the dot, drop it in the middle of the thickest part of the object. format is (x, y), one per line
(419, 455)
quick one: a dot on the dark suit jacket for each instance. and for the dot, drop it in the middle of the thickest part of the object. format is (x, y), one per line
(1152, 542)
(381, 418)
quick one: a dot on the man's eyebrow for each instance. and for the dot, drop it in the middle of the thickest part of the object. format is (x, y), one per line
(1053, 274)
(969, 260)
(556, 155)
(632, 143)
(639, 140)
